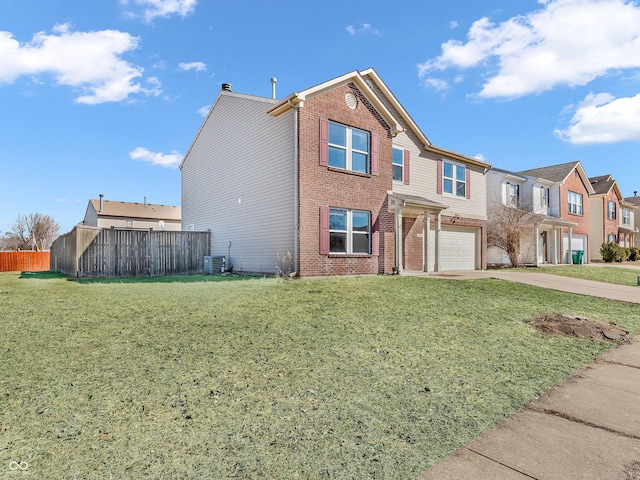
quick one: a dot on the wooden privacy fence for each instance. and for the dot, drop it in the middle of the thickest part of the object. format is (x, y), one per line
(24, 261)
(102, 252)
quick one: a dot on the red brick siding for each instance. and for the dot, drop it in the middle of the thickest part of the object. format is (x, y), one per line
(326, 187)
(574, 183)
(610, 227)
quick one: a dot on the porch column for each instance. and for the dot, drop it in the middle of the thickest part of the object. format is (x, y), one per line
(555, 245)
(398, 219)
(570, 239)
(436, 267)
(426, 229)
(536, 244)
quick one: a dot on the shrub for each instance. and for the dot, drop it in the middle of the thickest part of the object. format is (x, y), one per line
(611, 252)
(633, 255)
(625, 254)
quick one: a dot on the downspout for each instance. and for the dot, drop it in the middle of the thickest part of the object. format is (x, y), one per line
(296, 194)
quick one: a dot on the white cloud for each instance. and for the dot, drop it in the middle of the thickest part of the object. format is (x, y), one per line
(453, 24)
(365, 28)
(203, 111)
(566, 42)
(151, 9)
(197, 66)
(480, 157)
(87, 61)
(602, 118)
(438, 84)
(171, 160)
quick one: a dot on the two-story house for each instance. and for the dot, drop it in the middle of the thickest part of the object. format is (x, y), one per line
(573, 188)
(542, 230)
(557, 198)
(611, 215)
(633, 205)
(337, 177)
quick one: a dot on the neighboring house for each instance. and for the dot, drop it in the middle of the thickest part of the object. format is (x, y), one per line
(543, 243)
(633, 205)
(571, 185)
(146, 216)
(338, 178)
(611, 216)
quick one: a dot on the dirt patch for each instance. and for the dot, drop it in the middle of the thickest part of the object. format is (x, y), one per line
(562, 324)
(633, 471)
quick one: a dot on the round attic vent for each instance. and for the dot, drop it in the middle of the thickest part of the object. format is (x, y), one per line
(351, 101)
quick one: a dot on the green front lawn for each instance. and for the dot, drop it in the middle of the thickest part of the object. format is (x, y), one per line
(361, 377)
(617, 275)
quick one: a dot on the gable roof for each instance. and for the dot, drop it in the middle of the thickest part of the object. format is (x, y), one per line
(111, 208)
(633, 200)
(559, 173)
(298, 98)
(603, 185)
(365, 81)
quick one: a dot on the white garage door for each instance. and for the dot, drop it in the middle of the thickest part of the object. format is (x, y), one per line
(457, 248)
(578, 242)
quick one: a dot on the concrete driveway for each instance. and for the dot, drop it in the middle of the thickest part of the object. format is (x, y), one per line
(621, 293)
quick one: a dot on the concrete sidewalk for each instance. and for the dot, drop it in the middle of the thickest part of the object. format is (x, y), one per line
(587, 427)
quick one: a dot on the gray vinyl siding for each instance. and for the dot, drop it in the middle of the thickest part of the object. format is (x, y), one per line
(424, 174)
(424, 181)
(238, 182)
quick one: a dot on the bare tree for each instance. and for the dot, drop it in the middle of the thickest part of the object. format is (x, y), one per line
(507, 226)
(31, 232)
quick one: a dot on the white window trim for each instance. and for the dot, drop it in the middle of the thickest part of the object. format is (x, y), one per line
(513, 197)
(544, 196)
(577, 207)
(626, 216)
(454, 180)
(348, 148)
(401, 165)
(350, 233)
(611, 213)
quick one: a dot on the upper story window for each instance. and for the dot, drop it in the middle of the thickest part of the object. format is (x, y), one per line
(454, 179)
(611, 210)
(349, 231)
(544, 196)
(398, 164)
(575, 203)
(348, 148)
(626, 216)
(513, 194)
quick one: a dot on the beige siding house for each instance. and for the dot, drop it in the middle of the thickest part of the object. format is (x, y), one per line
(140, 216)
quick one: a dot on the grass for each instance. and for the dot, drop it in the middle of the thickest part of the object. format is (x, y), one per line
(361, 377)
(615, 275)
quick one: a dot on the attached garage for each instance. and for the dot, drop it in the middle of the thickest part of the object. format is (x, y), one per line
(458, 249)
(578, 242)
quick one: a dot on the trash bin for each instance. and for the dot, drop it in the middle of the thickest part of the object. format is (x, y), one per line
(576, 256)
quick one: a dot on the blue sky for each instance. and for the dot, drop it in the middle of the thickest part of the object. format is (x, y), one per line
(106, 97)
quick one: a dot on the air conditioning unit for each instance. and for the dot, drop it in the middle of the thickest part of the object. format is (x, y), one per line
(214, 265)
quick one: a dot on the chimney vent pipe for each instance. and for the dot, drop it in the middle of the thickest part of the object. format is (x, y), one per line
(274, 80)
(226, 87)
(101, 197)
